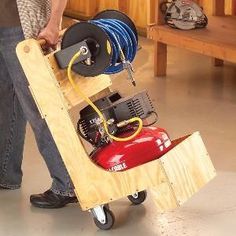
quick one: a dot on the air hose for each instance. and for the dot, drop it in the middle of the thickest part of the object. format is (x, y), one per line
(123, 42)
(104, 122)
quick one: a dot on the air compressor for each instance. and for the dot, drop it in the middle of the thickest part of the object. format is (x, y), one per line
(150, 144)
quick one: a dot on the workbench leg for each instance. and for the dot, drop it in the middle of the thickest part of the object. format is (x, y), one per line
(160, 59)
(218, 62)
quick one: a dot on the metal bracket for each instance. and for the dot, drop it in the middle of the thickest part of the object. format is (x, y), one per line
(99, 213)
(64, 56)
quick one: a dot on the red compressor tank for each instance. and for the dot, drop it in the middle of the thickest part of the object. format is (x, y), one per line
(150, 144)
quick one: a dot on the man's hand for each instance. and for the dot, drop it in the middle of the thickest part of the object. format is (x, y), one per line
(51, 35)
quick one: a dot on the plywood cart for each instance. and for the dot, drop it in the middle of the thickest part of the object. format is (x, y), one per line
(172, 179)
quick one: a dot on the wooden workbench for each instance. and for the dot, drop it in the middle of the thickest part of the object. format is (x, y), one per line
(217, 40)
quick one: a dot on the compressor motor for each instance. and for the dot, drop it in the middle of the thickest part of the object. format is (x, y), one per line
(116, 110)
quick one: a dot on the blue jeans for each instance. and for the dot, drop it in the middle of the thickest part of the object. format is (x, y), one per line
(16, 107)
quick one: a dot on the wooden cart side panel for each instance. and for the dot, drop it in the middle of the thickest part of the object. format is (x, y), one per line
(114, 186)
(90, 86)
(164, 197)
(188, 168)
(47, 95)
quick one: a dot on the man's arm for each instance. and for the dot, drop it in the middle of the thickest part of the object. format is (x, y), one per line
(51, 32)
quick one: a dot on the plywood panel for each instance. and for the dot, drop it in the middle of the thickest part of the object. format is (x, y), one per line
(137, 10)
(91, 86)
(188, 168)
(233, 10)
(230, 7)
(151, 12)
(81, 9)
(223, 6)
(164, 197)
(107, 4)
(77, 5)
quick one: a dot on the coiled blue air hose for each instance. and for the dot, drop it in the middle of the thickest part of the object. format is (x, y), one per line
(121, 37)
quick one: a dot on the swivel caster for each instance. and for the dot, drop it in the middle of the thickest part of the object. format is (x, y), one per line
(103, 217)
(138, 198)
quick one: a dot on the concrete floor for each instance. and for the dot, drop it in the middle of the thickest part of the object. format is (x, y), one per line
(194, 96)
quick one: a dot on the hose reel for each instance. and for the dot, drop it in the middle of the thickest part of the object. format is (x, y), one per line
(110, 41)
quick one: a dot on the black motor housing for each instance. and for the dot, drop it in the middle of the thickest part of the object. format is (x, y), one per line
(114, 107)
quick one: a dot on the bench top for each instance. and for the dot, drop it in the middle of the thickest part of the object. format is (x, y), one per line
(217, 40)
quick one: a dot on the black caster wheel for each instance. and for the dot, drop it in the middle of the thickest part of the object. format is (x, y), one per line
(110, 220)
(138, 197)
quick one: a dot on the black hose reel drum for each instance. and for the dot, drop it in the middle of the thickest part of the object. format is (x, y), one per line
(95, 37)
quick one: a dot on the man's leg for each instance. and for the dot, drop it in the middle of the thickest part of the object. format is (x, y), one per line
(61, 181)
(12, 131)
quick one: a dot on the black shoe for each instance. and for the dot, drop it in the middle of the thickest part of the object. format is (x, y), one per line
(51, 200)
